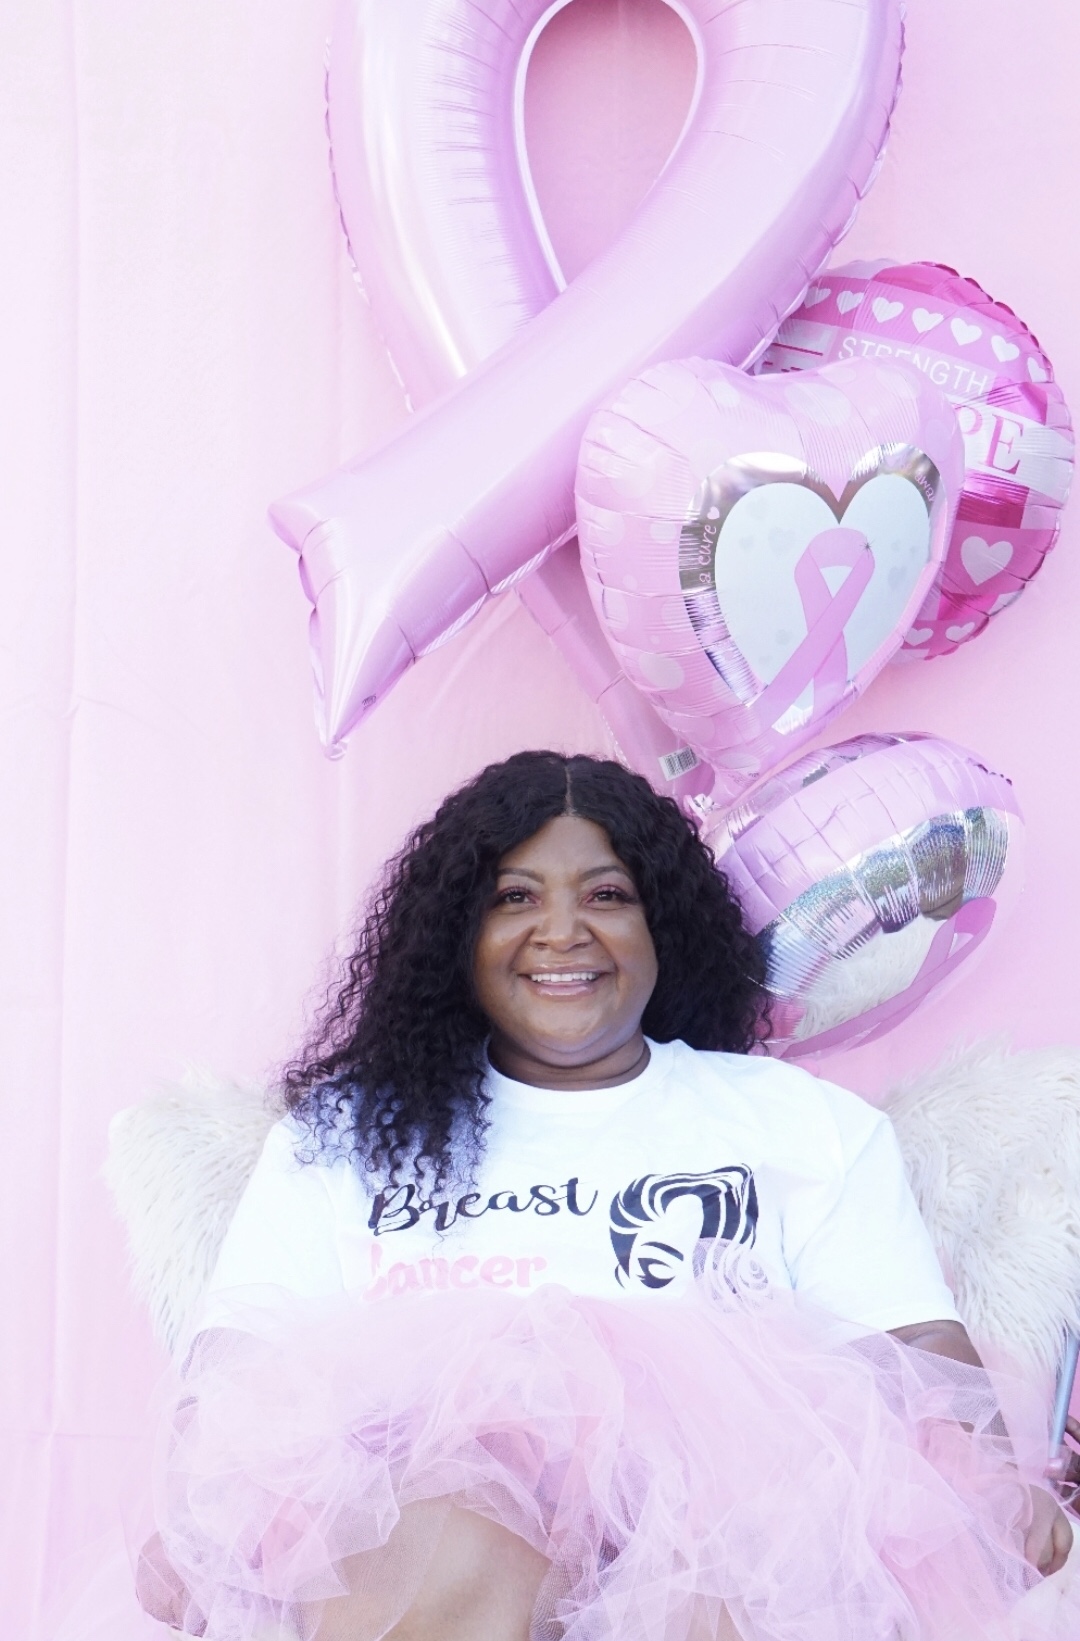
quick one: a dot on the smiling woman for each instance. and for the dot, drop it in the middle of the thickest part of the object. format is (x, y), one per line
(565, 964)
(538, 863)
(547, 1287)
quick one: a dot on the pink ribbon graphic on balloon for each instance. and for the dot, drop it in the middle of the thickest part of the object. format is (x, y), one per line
(821, 659)
(790, 113)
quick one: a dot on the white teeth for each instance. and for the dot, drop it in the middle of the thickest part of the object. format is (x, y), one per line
(565, 979)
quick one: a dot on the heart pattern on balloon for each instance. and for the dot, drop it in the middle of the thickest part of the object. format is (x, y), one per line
(924, 320)
(756, 548)
(984, 559)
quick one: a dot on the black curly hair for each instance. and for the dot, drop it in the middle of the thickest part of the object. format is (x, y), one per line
(394, 1069)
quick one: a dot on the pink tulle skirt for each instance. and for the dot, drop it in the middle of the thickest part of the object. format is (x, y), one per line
(689, 1469)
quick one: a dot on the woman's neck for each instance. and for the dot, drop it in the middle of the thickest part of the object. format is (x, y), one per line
(608, 1070)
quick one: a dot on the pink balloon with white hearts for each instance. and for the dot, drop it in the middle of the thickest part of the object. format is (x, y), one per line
(756, 547)
(1017, 431)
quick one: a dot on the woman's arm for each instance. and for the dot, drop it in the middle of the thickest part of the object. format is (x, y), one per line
(869, 1259)
(161, 1591)
(941, 1339)
(1049, 1535)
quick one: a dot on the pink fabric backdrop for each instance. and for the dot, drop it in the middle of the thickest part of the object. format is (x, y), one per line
(183, 343)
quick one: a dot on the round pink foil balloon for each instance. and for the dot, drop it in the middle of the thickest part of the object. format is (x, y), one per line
(871, 872)
(1016, 426)
(756, 547)
(789, 115)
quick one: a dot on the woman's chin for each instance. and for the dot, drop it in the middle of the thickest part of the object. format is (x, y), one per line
(574, 1040)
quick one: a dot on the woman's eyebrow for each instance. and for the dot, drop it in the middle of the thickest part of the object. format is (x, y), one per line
(538, 877)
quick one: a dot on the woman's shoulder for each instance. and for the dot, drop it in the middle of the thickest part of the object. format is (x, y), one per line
(781, 1090)
(301, 1138)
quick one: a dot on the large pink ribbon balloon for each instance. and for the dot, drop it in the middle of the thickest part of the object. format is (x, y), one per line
(790, 112)
(453, 255)
(871, 873)
(1014, 420)
(757, 546)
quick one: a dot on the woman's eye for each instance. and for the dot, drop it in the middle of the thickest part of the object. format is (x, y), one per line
(607, 894)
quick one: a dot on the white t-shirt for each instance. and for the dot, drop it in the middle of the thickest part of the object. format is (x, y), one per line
(614, 1192)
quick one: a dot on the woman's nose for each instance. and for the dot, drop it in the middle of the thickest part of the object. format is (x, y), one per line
(561, 925)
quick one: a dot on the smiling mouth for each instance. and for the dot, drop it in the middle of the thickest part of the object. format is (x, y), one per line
(564, 982)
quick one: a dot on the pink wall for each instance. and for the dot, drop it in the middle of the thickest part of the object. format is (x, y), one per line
(188, 344)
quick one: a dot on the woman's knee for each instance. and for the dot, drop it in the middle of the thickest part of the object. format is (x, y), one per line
(475, 1579)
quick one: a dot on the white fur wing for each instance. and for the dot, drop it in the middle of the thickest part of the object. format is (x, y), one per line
(177, 1167)
(991, 1140)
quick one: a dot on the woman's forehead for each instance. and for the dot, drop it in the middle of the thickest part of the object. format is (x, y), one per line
(566, 845)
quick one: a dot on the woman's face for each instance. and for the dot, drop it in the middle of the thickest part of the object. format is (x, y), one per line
(564, 962)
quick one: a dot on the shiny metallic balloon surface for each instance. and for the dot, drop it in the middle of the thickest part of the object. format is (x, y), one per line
(871, 873)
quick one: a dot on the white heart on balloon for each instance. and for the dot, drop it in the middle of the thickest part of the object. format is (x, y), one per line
(1004, 350)
(884, 310)
(984, 559)
(964, 333)
(764, 539)
(924, 320)
(848, 300)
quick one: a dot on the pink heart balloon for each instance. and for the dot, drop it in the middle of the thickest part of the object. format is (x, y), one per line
(871, 873)
(790, 113)
(1017, 432)
(756, 548)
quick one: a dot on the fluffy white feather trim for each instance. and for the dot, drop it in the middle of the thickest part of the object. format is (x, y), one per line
(177, 1167)
(991, 1140)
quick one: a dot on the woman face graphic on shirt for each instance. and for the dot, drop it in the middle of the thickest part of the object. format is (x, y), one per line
(564, 963)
